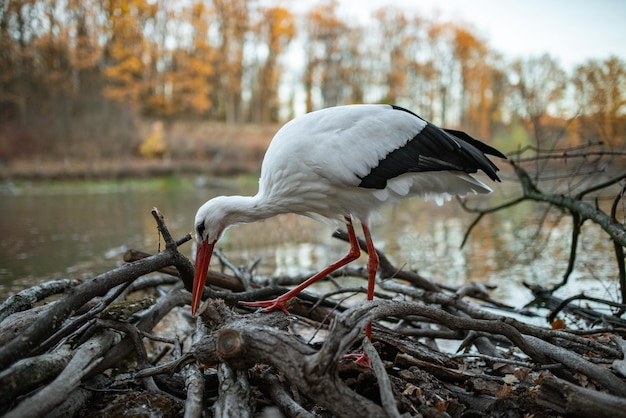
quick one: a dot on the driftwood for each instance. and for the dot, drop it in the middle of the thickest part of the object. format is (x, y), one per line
(574, 182)
(125, 342)
(575, 401)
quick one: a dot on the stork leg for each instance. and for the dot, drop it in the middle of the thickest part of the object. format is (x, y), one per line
(353, 254)
(372, 268)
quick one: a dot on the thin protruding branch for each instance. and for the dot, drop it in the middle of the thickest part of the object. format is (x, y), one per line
(388, 270)
(571, 260)
(619, 249)
(603, 185)
(585, 210)
(214, 277)
(388, 401)
(182, 263)
(163, 230)
(277, 391)
(564, 304)
(484, 212)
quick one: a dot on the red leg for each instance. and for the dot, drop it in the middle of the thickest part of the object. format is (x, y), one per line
(372, 268)
(279, 302)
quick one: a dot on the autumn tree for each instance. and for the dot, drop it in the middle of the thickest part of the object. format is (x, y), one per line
(43, 66)
(600, 94)
(477, 76)
(55, 69)
(70, 67)
(197, 70)
(159, 32)
(16, 63)
(186, 81)
(442, 70)
(86, 54)
(396, 52)
(355, 70)
(538, 87)
(326, 32)
(124, 50)
(232, 18)
(274, 29)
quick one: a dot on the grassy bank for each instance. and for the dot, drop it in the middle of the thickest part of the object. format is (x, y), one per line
(52, 170)
(188, 148)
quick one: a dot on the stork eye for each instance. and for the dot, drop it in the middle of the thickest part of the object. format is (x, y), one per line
(200, 229)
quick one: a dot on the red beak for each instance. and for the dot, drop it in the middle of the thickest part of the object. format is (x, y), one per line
(203, 258)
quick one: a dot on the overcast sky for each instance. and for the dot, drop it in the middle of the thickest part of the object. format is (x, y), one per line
(572, 31)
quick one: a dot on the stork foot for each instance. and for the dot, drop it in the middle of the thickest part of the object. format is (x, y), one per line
(269, 305)
(361, 359)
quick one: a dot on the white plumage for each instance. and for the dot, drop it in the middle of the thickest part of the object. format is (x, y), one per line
(342, 163)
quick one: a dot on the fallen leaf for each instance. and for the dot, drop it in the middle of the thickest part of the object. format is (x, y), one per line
(510, 379)
(442, 405)
(506, 389)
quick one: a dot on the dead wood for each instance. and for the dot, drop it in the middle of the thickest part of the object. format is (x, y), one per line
(572, 184)
(78, 400)
(75, 297)
(234, 396)
(388, 270)
(544, 297)
(15, 324)
(214, 278)
(277, 391)
(194, 385)
(78, 367)
(133, 339)
(574, 401)
(27, 298)
(245, 341)
(30, 373)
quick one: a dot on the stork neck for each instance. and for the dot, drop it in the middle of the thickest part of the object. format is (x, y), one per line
(248, 209)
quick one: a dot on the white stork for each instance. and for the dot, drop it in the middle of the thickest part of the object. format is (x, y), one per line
(342, 163)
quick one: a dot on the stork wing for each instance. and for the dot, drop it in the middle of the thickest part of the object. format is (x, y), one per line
(433, 149)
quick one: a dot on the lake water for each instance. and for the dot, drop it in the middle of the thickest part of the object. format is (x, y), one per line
(81, 230)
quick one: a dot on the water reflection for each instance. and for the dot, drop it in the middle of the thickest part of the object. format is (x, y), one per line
(78, 234)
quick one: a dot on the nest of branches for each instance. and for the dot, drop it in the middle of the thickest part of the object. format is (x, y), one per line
(125, 344)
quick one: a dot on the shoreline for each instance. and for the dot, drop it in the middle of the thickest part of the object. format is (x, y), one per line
(122, 169)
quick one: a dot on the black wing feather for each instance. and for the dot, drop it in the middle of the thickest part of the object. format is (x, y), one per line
(434, 149)
(478, 144)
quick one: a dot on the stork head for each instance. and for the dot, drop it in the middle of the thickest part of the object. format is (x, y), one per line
(208, 228)
(212, 219)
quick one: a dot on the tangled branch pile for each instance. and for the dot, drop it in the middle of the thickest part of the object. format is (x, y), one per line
(125, 344)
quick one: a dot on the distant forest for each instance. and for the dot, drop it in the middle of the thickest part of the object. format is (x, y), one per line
(79, 75)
